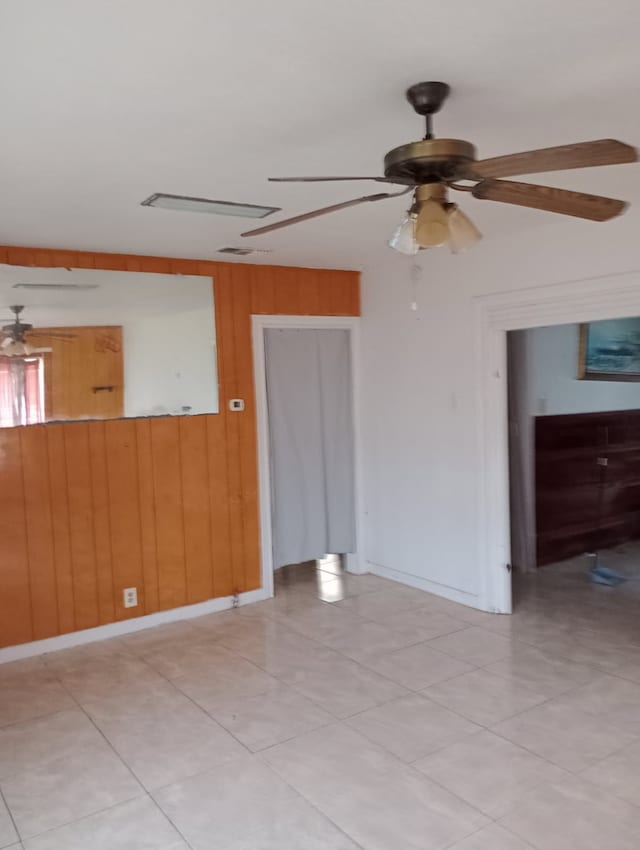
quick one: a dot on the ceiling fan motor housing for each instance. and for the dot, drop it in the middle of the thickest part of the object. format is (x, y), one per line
(430, 161)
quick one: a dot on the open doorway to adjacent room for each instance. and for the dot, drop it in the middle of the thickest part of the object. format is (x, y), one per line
(574, 469)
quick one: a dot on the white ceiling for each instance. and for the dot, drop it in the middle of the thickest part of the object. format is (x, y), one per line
(106, 102)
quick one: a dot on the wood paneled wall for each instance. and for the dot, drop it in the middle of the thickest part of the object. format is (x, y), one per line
(168, 505)
(83, 372)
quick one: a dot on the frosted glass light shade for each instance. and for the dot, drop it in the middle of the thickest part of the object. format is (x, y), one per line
(462, 231)
(432, 226)
(404, 239)
(14, 348)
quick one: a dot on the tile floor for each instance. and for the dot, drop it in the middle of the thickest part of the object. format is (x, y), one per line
(381, 719)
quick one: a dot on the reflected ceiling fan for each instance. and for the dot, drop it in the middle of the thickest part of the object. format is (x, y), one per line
(431, 167)
(16, 335)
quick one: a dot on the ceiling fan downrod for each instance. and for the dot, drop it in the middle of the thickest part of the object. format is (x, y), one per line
(427, 99)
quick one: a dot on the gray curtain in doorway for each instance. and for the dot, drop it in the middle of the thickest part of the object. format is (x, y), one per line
(521, 456)
(309, 397)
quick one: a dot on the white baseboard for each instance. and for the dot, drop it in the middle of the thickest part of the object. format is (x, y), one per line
(123, 627)
(450, 593)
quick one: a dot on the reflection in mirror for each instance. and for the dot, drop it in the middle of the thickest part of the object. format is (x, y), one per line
(93, 344)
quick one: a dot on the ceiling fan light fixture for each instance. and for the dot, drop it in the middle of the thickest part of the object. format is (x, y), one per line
(15, 348)
(463, 233)
(432, 225)
(403, 239)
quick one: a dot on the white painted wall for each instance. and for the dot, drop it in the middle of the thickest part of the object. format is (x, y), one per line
(170, 365)
(420, 428)
(553, 388)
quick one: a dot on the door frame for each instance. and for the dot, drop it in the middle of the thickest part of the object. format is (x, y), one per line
(259, 323)
(605, 297)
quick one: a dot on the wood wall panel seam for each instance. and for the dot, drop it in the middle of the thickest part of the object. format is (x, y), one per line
(26, 542)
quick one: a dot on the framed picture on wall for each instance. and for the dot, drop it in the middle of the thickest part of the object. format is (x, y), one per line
(609, 350)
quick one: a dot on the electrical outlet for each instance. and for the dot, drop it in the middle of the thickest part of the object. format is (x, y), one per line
(130, 597)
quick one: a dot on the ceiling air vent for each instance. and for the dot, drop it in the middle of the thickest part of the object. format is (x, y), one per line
(243, 252)
(207, 205)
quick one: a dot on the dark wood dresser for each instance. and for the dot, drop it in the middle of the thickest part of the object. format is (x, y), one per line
(587, 482)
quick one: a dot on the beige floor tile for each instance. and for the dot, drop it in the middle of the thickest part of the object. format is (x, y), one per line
(412, 726)
(343, 687)
(65, 789)
(136, 825)
(250, 808)
(99, 650)
(8, 834)
(163, 737)
(220, 622)
(575, 814)
(469, 616)
(474, 645)
(363, 640)
(614, 700)
(29, 689)
(619, 774)
(421, 624)
(229, 681)
(546, 673)
(564, 735)
(28, 745)
(160, 637)
(377, 800)
(287, 655)
(248, 633)
(90, 676)
(492, 837)
(488, 772)
(325, 623)
(589, 646)
(416, 667)
(356, 585)
(382, 603)
(270, 718)
(484, 697)
(200, 656)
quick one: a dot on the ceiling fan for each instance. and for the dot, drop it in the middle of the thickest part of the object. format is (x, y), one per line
(16, 335)
(431, 167)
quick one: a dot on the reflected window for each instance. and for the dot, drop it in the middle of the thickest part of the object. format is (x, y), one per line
(22, 400)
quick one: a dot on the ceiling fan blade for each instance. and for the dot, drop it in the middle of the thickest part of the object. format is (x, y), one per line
(593, 207)
(579, 155)
(381, 196)
(329, 179)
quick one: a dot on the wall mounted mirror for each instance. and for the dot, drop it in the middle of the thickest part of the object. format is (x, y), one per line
(90, 344)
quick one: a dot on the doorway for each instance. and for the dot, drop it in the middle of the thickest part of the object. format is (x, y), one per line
(307, 448)
(606, 297)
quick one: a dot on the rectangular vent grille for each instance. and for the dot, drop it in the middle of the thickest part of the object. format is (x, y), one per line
(243, 252)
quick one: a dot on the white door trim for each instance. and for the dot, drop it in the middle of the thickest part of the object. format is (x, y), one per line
(605, 297)
(354, 562)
